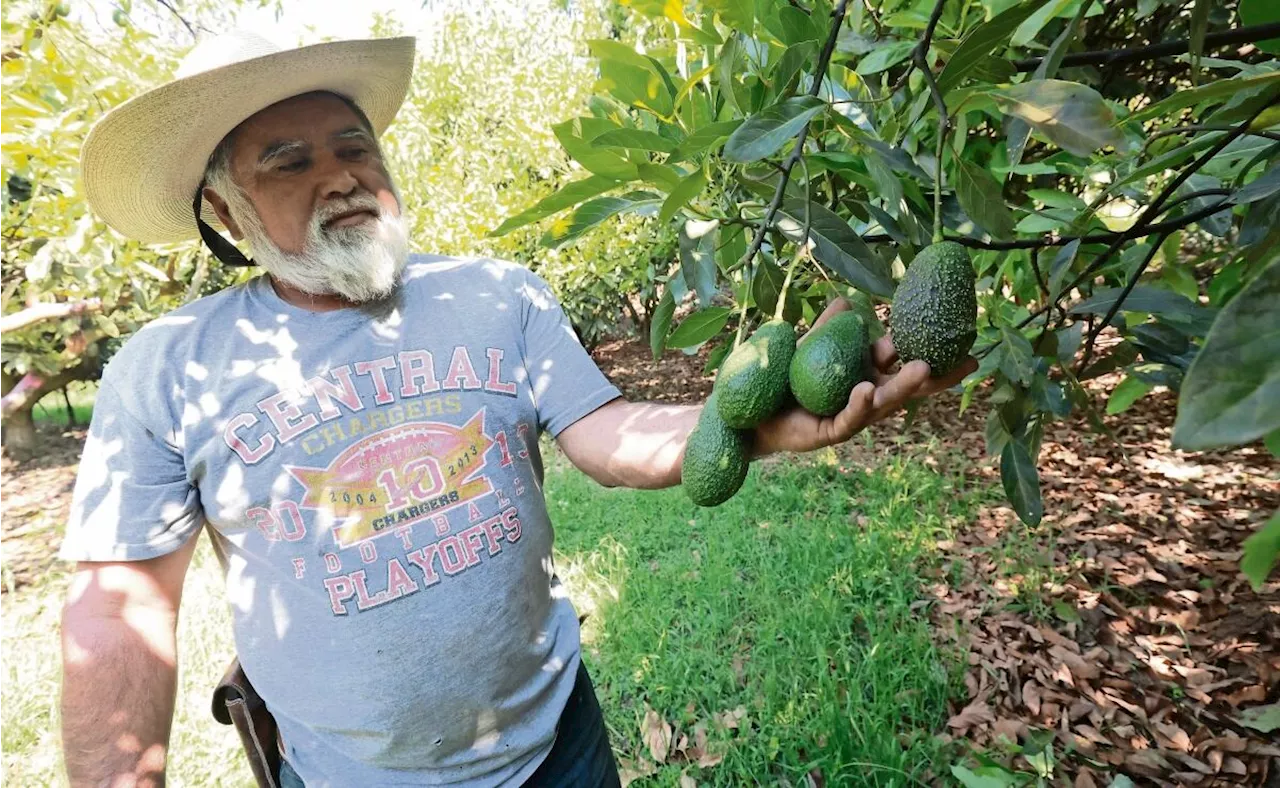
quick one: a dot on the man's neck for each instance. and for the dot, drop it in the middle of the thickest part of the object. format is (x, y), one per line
(304, 300)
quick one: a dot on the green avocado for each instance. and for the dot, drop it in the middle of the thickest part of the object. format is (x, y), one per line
(832, 359)
(752, 382)
(935, 309)
(716, 458)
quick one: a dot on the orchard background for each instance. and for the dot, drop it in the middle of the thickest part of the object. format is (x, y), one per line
(1090, 521)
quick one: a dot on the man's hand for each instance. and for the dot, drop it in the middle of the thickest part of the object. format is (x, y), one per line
(799, 430)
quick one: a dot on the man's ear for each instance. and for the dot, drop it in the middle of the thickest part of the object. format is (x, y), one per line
(219, 206)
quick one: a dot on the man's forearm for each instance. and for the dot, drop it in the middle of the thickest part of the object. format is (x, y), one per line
(632, 444)
(119, 682)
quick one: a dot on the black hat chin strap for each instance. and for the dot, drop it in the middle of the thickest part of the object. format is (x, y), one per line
(222, 249)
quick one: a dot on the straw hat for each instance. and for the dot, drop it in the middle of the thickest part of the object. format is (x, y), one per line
(144, 160)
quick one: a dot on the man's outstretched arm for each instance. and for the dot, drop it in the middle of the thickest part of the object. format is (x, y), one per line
(641, 444)
(120, 661)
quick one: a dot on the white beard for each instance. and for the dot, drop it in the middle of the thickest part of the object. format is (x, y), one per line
(361, 263)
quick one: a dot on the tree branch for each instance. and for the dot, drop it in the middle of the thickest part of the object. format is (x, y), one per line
(1094, 331)
(1096, 238)
(797, 152)
(181, 19)
(32, 387)
(1271, 135)
(42, 312)
(920, 57)
(1108, 57)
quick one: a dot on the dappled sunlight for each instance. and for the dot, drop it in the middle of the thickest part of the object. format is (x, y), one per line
(594, 580)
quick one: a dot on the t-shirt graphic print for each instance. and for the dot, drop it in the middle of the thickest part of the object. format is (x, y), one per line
(372, 484)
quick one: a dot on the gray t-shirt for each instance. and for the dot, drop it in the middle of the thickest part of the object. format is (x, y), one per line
(373, 488)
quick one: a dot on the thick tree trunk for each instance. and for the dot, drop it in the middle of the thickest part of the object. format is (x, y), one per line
(20, 437)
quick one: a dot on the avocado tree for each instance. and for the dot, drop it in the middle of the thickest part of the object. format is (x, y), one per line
(70, 287)
(474, 143)
(1111, 169)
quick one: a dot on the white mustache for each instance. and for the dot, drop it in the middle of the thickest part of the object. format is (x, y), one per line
(332, 210)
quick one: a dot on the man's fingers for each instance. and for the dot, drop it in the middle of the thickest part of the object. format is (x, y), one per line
(934, 385)
(857, 414)
(883, 353)
(900, 388)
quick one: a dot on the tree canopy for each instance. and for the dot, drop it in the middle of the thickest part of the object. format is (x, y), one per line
(1110, 166)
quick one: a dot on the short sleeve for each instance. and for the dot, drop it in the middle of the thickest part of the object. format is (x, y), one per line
(133, 499)
(567, 384)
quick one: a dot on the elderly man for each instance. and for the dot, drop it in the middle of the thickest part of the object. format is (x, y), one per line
(357, 431)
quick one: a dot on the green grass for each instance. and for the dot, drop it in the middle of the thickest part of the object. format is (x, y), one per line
(52, 408)
(808, 576)
(204, 753)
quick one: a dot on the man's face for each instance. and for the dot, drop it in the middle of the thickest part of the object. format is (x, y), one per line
(315, 200)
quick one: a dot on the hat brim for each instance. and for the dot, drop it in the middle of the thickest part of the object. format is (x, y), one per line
(143, 162)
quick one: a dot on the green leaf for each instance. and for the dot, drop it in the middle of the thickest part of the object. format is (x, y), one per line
(763, 134)
(698, 262)
(1261, 552)
(688, 188)
(1272, 442)
(982, 41)
(631, 77)
(982, 199)
(1261, 718)
(572, 135)
(1017, 131)
(733, 245)
(663, 176)
(1072, 116)
(591, 213)
(884, 56)
(1021, 482)
(791, 63)
(836, 246)
(1230, 392)
(996, 433)
(1027, 31)
(1262, 187)
(1121, 781)
(986, 777)
(1166, 160)
(1143, 298)
(634, 138)
(569, 195)
(1123, 396)
(1019, 359)
(1199, 24)
(1221, 88)
(728, 66)
(1061, 266)
(1056, 199)
(699, 327)
(1261, 12)
(703, 138)
(716, 357)
(660, 323)
(738, 14)
(766, 285)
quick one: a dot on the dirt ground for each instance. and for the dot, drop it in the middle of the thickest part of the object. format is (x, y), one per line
(1119, 634)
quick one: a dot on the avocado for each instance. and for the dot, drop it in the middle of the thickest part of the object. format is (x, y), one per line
(829, 362)
(935, 309)
(752, 382)
(716, 458)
